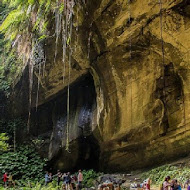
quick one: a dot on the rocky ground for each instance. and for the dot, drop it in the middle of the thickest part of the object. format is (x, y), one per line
(179, 170)
(124, 180)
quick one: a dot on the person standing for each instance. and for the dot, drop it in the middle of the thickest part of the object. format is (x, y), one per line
(74, 182)
(68, 181)
(166, 183)
(147, 184)
(5, 179)
(64, 181)
(47, 178)
(80, 180)
(50, 177)
(59, 175)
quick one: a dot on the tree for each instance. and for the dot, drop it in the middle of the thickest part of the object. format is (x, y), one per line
(3, 142)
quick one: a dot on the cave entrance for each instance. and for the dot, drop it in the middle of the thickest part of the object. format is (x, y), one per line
(83, 110)
(84, 146)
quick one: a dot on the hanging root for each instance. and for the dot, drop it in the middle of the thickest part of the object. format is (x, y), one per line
(69, 35)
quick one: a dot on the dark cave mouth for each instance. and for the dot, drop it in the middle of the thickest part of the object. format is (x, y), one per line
(85, 147)
(87, 156)
(52, 117)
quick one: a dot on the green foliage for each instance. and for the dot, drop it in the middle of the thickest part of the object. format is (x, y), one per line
(9, 126)
(9, 61)
(4, 86)
(3, 142)
(34, 186)
(21, 19)
(24, 164)
(89, 176)
(157, 175)
(10, 68)
(12, 22)
(28, 16)
(16, 123)
(39, 186)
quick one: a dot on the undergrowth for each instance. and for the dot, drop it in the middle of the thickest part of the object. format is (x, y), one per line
(157, 175)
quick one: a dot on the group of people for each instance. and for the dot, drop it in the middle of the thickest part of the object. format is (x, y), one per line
(174, 184)
(8, 180)
(66, 180)
(144, 185)
(169, 184)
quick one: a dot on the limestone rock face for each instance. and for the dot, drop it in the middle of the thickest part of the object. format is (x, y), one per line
(138, 57)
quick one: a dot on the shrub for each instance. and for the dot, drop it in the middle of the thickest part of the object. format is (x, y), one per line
(89, 177)
(158, 174)
(24, 164)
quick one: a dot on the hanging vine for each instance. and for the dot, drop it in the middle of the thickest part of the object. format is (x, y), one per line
(161, 32)
(130, 54)
(67, 40)
(31, 69)
(163, 61)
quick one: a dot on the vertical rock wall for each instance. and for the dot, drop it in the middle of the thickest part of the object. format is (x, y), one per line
(139, 60)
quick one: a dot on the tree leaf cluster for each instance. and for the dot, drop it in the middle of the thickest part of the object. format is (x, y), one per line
(3, 142)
